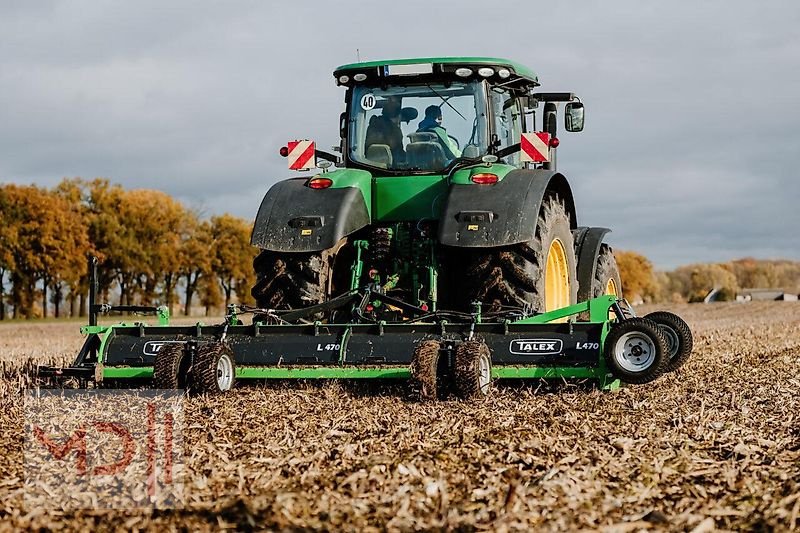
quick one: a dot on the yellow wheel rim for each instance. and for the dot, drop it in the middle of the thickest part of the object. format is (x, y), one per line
(557, 288)
(611, 287)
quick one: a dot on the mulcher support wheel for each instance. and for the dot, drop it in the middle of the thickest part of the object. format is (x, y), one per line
(214, 368)
(636, 351)
(425, 370)
(473, 369)
(171, 367)
(679, 337)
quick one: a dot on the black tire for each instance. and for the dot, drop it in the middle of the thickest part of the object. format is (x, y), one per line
(514, 276)
(425, 370)
(606, 272)
(289, 281)
(473, 369)
(678, 335)
(214, 369)
(636, 351)
(296, 280)
(171, 367)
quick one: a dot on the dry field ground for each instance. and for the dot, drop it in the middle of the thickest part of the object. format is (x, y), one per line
(716, 445)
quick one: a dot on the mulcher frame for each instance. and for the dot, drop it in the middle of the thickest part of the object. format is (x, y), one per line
(125, 351)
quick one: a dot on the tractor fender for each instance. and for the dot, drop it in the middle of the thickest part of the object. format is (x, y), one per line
(296, 218)
(588, 242)
(505, 213)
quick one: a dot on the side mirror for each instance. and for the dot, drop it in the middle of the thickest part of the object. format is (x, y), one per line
(528, 103)
(342, 125)
(573, 116)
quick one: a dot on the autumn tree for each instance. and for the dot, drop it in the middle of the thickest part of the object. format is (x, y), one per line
(48, 247)
(766, 274)
(18, 205)
(195, 260)
(636, 273)
(155, 225)
(696, 281)
(106, 231)
(8, 242)
(208, 290)
(232, 254)
(65, 255)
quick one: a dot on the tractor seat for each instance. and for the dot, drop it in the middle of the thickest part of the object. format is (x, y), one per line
(380, 155)
(425, 155)
(422, 136)
(471, 151)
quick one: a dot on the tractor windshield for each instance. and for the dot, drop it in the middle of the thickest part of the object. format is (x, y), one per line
(417, 127)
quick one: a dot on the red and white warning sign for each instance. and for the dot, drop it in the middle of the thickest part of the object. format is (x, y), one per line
(535, 146)
(301, 155)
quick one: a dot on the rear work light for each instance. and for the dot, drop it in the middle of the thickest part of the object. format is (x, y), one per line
(484, 178)
(319, 183)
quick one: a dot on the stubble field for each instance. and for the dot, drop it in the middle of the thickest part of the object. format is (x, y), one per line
(715, 445)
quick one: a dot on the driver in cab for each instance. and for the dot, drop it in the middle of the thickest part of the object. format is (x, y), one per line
(433, 123)
(385, 129)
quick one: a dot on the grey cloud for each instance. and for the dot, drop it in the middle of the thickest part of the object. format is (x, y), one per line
(689, 153)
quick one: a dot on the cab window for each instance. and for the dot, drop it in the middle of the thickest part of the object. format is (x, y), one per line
(507, 120)
(394, 127)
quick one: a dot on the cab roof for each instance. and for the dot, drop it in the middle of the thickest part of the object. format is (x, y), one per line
(436, 66)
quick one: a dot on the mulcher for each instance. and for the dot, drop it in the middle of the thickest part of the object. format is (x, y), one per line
(444, 248)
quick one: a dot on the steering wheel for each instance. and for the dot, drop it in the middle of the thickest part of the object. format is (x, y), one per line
(458, 144)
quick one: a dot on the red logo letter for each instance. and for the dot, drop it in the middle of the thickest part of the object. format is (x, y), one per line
(76, 440)
(127, 452)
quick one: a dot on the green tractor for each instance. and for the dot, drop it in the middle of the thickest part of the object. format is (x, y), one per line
(443, 249)
(446, 196)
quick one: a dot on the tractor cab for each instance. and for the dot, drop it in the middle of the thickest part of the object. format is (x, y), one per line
(420, 116)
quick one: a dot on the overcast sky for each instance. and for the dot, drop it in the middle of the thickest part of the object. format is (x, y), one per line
(690, 152)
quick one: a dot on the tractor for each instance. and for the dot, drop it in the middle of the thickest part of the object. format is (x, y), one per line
(442, 217)
(444, 248)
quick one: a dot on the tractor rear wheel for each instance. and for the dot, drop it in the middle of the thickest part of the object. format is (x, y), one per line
(538, 276)
(296, 280)
(606, 278)
(606, 274)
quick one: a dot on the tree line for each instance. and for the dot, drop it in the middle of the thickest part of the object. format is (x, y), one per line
(148, 245)
(153, 250)
(691, 283)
